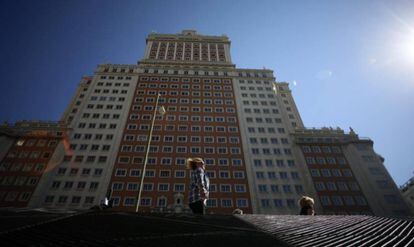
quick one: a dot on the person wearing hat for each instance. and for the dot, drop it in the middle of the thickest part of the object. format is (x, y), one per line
(199, 185)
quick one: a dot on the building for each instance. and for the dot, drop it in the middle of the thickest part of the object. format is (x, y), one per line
(237, 119)
(27, 155)
(267, 114)
(243, 122)
(407, 191)
(96, 116)
(192, 74)
(349, 177)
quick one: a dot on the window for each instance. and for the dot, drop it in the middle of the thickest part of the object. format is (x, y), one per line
(225, 188)
(63, 199)
(360, 200)
(331, 160)
(98, 172)
(102, 159)
(163, 187)
(290, 203)
(179, 187)
(240, 188)
(265, 203)
(120, 172)
(337, 201)
(224, 174)
(336, 172)
(283, 175)
(241, 203)
(93, 185)
(129, 201)
(55, 184)
(271, 175)
(90, 159)
(294, 175)
(117, 186)
(223, 162)
(320, 160)
(180, 161)
(274, 188)
(286, 188)
(320, 186)
(349, 200)
(347, 173)
(260, 175)
(134, 173)
(165, 173)
(81, 185)
(148, 187)
(150, 173)
(341, 160)
(236, 162)
(278, 203)
(325, 200)
(226, 203)
(180, 173)
(262, 188)
(209, 161)
(326, 172)
(331, 186)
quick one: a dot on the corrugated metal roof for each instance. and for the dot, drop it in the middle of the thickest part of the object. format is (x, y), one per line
(130, 229)
(106, 228)
(335, 230)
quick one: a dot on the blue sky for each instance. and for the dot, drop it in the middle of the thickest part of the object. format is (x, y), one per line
(350, 63)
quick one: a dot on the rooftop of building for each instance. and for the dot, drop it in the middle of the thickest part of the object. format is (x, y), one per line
(188, 35)
(33, 127)
(109, 228)
(327, 135)
(409, 184)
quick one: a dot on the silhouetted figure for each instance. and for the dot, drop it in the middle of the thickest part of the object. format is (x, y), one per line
(237, 211)
(306, 206)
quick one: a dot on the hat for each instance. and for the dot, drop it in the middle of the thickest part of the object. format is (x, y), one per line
(194, 160)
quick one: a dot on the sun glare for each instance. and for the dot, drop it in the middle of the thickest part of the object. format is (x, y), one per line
(406, 48)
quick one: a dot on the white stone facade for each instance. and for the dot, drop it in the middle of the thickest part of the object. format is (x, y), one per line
(267, 114)
(96, 117)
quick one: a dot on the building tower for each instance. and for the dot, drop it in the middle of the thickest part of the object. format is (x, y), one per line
(192, 73)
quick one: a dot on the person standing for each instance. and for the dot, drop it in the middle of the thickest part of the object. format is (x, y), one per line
(199, 185)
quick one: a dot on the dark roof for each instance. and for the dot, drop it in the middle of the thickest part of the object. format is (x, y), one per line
(336, 230)
(106, 228)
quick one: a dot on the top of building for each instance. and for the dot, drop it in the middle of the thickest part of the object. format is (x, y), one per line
(188, 35)
(33, 128)
(189, 48)
(326, 135)
(409, 184)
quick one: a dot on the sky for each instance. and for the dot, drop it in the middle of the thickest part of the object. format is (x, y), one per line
(349, 63)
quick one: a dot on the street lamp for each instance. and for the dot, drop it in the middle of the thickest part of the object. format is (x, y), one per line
(162, 112)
